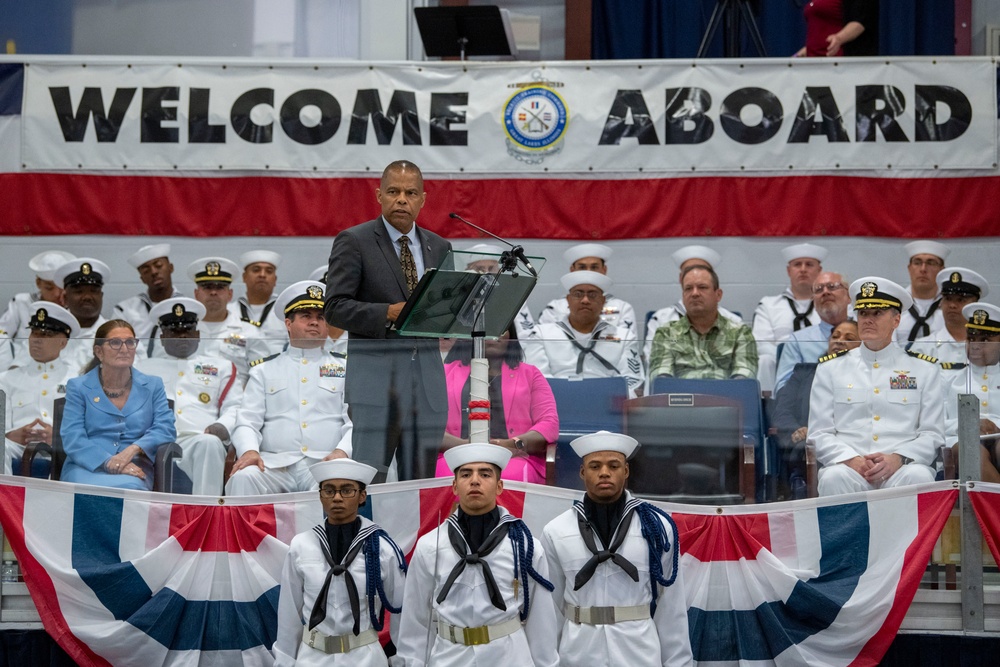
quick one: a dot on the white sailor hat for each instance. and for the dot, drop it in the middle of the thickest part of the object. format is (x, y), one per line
(799, 250)
(82, 271)
(604, 441)
(302, 295)
(959, 280)
(927, 248)
(701, 252)
(53, 317)
(179, 312)
(874, 293)
(343, 469)
(44, 264)
(476, 452)
(599, 280)
(319, 273)
(578, 252)
(212, 270)
(982, 316)
(149, 252)
(254, 256)
(482, 252)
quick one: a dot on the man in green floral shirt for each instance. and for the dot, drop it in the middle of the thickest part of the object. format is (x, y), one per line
(701, 344)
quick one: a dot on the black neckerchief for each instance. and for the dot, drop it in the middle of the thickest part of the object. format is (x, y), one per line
(801, 319)
(339, 568)
(920, 327)
(340, 536)
(488, 532)
(604, 517)
(582, 351)
(610, 553)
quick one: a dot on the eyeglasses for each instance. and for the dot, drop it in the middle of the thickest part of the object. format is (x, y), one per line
(116, 343)
(827, 287)
(929, 263)
(331, 492)
(592, 295)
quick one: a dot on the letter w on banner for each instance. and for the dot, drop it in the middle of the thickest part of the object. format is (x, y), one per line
(128, 577)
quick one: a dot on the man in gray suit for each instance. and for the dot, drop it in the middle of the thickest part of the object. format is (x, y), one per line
(395, 387)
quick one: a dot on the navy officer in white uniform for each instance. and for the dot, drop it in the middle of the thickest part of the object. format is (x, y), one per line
(477, 587)
(876, 413)
(293, 412)
(205, 389)
(338, 578)
(32, 389)
(607, 554)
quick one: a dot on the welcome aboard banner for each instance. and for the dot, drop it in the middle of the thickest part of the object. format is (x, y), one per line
(581, 150)
(513, 119)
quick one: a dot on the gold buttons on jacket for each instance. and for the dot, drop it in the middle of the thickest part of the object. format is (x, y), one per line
(876, 390)
(875, 438)
(875, 365)
(876, 418)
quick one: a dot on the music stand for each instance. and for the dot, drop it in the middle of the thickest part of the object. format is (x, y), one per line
(464, 31)
(732, 13)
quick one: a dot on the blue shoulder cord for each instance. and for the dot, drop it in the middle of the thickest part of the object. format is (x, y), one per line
(373, 575)
(656, 539)
(519, 537)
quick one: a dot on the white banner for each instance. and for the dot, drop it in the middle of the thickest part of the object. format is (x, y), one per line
(566, 118)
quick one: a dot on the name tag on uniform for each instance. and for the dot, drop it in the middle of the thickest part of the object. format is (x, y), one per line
(902, 380)
(206, 369)
(332, 371)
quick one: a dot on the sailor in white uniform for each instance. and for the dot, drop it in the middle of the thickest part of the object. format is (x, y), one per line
(958, 287)
(14, 321)
(979, 374)
(581, 344)
(156, 273)
(778, 316)
(477, 593)
(338, 578)
(927, 258)
(293, 412)
(205, 390)
(260, 274)
(606, 557)
(32, 389)
(685, 257)
(592, 257)
(83, 282)
(222, 331)
(876, 413)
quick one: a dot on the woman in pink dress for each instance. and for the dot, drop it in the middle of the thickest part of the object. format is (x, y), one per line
(523, 415)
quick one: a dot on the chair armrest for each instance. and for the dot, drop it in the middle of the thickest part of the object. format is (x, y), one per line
(31, 450)
(227, 467)
(812, 471)
(748, 471)
(163, 473)
(550, 464)
(948, 459)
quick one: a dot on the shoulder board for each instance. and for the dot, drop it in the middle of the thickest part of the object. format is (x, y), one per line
(339, 355)
(922, 356)
(257, 362)
(835, 355)
(953, 365)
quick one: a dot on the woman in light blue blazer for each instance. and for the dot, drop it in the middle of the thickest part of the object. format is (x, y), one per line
(115, 416)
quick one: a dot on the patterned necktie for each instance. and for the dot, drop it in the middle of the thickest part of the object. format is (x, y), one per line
(406, 260)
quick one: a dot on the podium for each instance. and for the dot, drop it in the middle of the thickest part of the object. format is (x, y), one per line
(476, 300)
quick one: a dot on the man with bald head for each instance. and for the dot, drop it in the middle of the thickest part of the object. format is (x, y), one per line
(374, 267)
(831, 302)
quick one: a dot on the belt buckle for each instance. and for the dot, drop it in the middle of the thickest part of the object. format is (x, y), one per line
(602, 615)
(476, 636)
(344, 642)
(312, 639)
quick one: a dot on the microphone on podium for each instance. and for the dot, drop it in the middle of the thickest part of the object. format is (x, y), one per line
(516, 251)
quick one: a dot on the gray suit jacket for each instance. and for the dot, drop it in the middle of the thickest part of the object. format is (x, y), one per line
(363, 279)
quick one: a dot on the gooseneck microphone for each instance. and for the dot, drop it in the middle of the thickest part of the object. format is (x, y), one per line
(516, 251)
